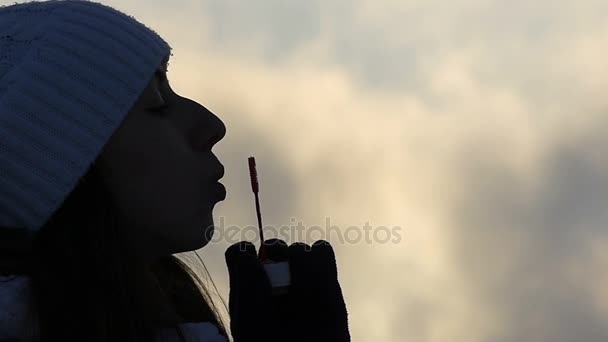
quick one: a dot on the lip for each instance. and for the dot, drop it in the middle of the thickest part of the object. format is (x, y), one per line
(219, 191)
(220, 173)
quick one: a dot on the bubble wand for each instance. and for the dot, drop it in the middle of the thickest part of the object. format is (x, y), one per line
(277, 271)
(255, 187)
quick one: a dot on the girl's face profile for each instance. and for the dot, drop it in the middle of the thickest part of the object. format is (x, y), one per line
(160, 171)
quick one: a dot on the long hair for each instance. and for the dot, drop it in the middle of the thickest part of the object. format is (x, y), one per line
(87, 284)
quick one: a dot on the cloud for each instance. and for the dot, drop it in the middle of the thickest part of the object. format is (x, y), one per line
(492, 165)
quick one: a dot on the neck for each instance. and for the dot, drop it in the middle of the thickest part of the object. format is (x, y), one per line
(158, 306)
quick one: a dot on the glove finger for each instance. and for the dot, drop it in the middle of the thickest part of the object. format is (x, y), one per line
(301, 272)
(328, 292)
(249, 290)
(300, 265)
(239, 248)
(239, 254)
(246, 274)
(324, 260)
(315, 293)
(276, 249)
(299, 294)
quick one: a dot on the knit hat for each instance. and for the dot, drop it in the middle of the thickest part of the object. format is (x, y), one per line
(70, 71)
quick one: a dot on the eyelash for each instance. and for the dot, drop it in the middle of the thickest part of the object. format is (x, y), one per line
(161, 109)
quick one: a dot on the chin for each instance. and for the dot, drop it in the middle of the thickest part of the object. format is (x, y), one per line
(203, 232)
(197, 236)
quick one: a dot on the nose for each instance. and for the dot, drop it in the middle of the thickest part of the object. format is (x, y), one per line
(208, 130)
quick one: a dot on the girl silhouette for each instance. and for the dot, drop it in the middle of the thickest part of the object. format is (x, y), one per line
(105, 174)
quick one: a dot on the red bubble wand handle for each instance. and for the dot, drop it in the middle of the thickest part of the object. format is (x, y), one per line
(255, 187)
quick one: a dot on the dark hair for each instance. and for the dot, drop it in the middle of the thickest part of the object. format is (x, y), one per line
(87, 284)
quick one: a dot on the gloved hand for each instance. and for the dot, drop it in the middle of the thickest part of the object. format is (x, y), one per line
(313, 308)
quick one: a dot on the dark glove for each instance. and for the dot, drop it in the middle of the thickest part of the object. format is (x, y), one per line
(313, 308)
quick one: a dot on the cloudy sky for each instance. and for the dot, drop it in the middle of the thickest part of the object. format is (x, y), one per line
(476, 127)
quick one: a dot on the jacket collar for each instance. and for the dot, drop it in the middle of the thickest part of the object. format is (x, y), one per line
(14, 303)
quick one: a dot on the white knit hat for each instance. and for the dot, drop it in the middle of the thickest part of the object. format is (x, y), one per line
(69, 73)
